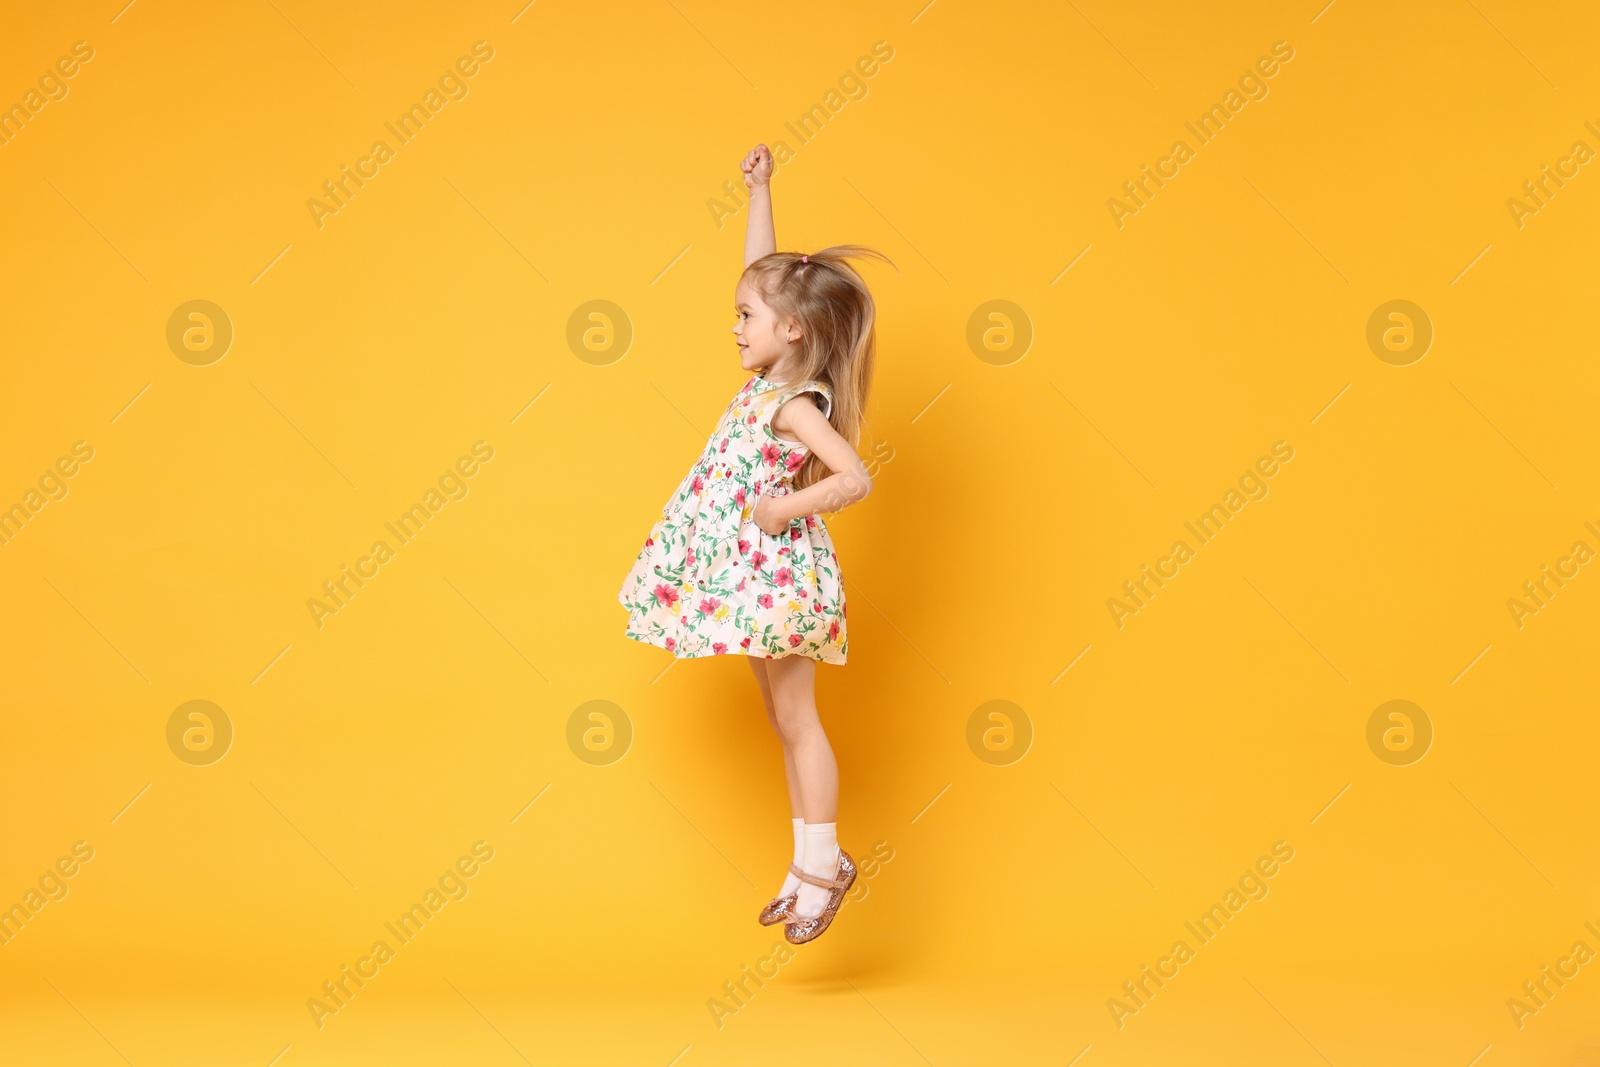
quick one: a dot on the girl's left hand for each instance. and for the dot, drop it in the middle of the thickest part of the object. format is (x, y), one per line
(766, 516)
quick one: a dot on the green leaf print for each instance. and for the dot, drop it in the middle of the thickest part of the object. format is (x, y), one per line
(736, 568)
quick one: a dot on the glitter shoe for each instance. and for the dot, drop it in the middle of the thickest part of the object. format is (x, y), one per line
(798, 929)
(777, 909)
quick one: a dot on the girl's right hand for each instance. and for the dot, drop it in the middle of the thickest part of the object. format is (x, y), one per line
(757, 167)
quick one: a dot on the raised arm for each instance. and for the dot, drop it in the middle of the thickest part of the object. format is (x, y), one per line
(760, 238)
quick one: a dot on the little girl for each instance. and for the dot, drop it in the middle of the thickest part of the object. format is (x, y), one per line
(740, 560)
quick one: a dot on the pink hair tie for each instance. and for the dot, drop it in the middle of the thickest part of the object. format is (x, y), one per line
(805, 259)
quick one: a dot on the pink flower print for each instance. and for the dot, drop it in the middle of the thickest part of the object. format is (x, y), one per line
(744, 546)
(803, 594)
(765, 600)
(811, 522)
(782, 577)
(745, 643)
(739, 497)
(833, 631)
(719, 648)
(648, 541)
(757, 558)
(697, 485)
(724, 446)
(689, 557)
(794, 533)
(709, 605)
(771, 453)
(792, 460)
(672, 645)
(794, 640)
(665, 595)
(784, 551)
(740, 587)
(751, 420)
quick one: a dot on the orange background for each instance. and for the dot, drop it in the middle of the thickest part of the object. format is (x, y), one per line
(1021, 489)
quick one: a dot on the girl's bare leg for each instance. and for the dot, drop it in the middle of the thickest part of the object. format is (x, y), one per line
(758, 667)
(792, 681)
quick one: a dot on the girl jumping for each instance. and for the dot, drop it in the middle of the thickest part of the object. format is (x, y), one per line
(740, 561)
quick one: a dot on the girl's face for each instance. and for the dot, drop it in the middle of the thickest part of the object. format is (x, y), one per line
(762, 339)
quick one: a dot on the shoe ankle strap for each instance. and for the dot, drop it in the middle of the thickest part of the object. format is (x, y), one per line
(817, 880)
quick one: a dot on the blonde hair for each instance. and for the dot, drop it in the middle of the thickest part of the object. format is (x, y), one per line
(838, 343)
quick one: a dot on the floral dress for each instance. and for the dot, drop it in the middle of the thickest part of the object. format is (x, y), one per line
(708, 580)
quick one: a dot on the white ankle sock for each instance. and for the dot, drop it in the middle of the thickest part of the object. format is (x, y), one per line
(790, 882)
(821, 859)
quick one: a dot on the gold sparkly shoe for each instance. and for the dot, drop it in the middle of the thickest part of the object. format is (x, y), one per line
(799, 929)
(777, 909)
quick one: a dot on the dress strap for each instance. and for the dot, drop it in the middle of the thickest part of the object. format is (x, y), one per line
(811, 386)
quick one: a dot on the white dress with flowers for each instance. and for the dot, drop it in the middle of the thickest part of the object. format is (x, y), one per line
(708, 581)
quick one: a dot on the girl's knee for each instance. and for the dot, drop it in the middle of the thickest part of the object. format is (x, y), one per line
(795, 720)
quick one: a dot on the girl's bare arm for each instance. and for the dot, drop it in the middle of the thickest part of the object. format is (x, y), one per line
(849, 483)
(760, 238)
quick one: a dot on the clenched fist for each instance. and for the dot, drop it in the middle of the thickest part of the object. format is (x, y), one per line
(757, 167)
